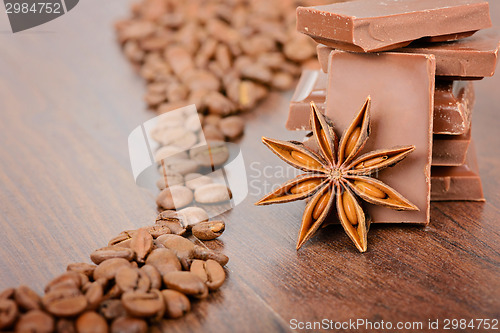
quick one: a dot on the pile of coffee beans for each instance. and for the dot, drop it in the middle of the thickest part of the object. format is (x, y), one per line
(141, 277)
(222, 55)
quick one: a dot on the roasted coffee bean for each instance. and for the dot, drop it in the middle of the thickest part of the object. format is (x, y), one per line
(178, 165)
(67, 280)
(193, 215)
(129, 325)
(153, 275)
(195, 180)
(211, 133)
(142, 304)
(212, 119)
(157, 230)
(212, 193)
(91, 322)
(94, 295)
(174, 197)
(82, 268)
(176, 303)
(213, 154)
(186, 283)
(35, 321)
(208, 230)
(164, 260)
(181, 246)
(64, 302)
(169, 179)
(8, 313)
(232, 126)
(27, 299)
(141, 244)
(108, 268)
(203, 253)
(172, 220)
(210, 271)
(113, 292)
(65, 325)
(122, 240)
(112, 309)
(7, 293)
(110, 252)
(132, 279)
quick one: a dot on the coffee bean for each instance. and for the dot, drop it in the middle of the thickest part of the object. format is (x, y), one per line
(65, 325)
(212, 193)
(94, 294)
(110, 252)
(174, 197)
(195, 180)
(178, 165)
(282, 81)
(193, 215)
(142, 304)
(27, 299)
(213, 154)
(64, 302)
(219, 104)
(112, 308)
(172, 220)
(141, 244)
(193, 122)
(169, 178)
(210, 271)
(211, 133)
(82, 268)
(166, 152)
(212, 119)
(8, 313)
(122, 240)
(132, 279)
(176, 303)
(157, 230)
(7, 293)
(203, 253)
(129, 325)
(181, 246)
(91, 322)
(186, 283)
(35, 321)
(232, 127)
(113, 292)
(69, 279)
(108, 268)
(164, 260)
(208, 230)
(153, 275)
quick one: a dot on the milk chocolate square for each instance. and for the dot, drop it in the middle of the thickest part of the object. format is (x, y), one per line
(450, 150)
(459, 182)
(401, 87)
(381, 25)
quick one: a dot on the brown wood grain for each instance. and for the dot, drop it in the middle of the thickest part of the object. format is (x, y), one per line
(68, 100)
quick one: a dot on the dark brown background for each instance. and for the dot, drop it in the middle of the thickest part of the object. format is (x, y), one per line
(68, 100)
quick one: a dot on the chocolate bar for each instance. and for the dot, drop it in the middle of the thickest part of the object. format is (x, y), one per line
(458, 182)
(382, 25)
(470, 58)
(453, 103)
(401, 87)
(450, 150)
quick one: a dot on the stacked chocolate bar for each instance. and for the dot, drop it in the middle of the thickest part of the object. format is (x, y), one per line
(417, 59)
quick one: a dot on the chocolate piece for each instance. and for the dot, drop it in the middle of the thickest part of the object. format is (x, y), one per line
(470, 58)
(381, 25)
(453, 103)
(401, 87)
(450, 150)
(311, 88)
(458, 182)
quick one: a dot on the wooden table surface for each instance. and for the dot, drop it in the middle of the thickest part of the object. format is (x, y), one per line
(68, 100)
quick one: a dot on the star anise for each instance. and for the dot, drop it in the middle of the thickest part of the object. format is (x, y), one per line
(335, 172)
